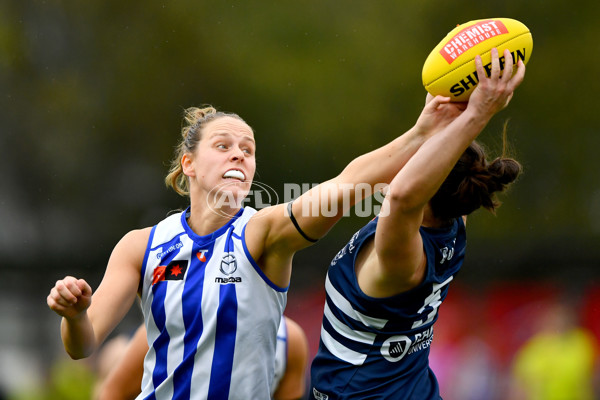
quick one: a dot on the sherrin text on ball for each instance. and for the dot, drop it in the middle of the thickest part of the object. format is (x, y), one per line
(449, 70)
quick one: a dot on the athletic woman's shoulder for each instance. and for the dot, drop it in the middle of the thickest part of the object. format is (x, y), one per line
(136, 239)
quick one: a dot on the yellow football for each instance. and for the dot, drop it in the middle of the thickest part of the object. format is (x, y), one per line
(449, 70)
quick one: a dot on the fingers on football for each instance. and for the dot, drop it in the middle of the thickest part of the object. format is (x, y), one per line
(437, 101)
(479, 68)
(508, 66)
(518, 76)
(495, 64)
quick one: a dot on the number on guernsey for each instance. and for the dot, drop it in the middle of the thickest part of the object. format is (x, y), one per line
(434, 300)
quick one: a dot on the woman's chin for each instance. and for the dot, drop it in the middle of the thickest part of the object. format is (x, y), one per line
(230, 198)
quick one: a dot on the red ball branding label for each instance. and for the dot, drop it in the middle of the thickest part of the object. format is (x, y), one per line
(471, 36)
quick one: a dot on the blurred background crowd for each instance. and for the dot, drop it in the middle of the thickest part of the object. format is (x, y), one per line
(91, 100)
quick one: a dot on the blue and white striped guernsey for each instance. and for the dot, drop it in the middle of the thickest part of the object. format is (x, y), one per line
(211, 314)
(281, 353)
(378, 348)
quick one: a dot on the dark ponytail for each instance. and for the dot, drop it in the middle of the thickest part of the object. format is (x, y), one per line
(472, 184)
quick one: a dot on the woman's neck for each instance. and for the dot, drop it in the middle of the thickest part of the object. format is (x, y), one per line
(430, 221)
(204, 219)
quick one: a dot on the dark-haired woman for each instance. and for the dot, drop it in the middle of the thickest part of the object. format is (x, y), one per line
(385, 287)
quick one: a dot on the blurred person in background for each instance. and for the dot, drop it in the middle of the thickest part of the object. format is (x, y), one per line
(462, 358)
(477, 375)
(213, 278)
(121, 363)
(385, 287)
(559, 361)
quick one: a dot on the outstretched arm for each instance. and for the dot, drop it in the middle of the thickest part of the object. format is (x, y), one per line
(400, 257)
(368, 170)
(272, 238)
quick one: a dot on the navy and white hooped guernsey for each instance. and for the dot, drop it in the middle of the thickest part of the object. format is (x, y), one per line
(211, 314)
(378, 348)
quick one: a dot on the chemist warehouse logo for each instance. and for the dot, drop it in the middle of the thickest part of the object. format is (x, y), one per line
(471, 36)
(396, 347)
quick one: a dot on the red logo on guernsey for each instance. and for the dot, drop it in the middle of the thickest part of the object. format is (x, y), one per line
(175, 271)
(471, 36)
(201, 255)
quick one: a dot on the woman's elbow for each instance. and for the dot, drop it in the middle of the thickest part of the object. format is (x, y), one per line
(403, 197)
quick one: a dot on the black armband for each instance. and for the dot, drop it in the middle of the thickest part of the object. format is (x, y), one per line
(304, 235)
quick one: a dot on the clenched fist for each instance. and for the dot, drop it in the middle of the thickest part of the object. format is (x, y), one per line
(70, 297)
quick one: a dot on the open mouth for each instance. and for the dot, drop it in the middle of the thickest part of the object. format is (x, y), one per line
(235, 174)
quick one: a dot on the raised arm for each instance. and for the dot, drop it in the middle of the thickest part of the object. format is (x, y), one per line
(272, 237)
(377, 167)
(398, 245)
(87, 319)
